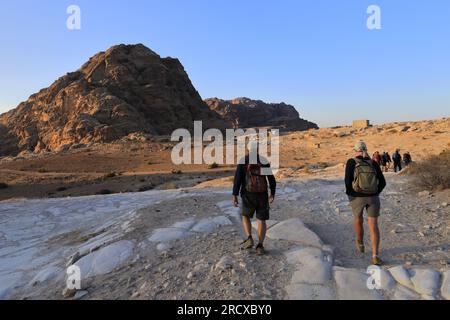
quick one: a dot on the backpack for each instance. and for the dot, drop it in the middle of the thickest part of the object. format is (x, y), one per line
(254, 181)
(365, 177)
(396, 156)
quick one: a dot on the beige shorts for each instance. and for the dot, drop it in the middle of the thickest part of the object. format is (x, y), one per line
(371, 204)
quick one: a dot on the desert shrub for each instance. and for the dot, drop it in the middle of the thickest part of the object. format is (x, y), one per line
(174, 171)
(213, 166)
(3, 185)
(61, 189)
(42, 170)
(434, 172)
(104, 192)
(169, 186)
(146, 188)
(111, 175)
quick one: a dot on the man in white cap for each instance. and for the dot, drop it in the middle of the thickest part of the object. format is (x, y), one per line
(364, 181)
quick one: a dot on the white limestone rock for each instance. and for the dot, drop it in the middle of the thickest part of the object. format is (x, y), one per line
(403, 293)
(168, 234)
(186, 224)
(311, 265)
(47, 274)
(294, 230)
(352, 285)
(211, 224)
(402, 276)
(385, 281)
(426, 281)
(8, 283)
(105, 260)
(445, 289)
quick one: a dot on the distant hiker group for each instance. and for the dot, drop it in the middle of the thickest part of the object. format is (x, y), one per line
(386, 162)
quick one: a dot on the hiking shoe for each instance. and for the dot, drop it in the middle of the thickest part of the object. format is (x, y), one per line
(360, 247)
(247, 244)
(260, 250)
(376, 261)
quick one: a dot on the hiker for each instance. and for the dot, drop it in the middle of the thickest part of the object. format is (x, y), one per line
(252, 186)
(397, 160)
(407, 159)
(388, 161)
(364, 182)
(384, 162)
(376, 157)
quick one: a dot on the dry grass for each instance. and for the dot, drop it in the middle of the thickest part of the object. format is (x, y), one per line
(434, 172)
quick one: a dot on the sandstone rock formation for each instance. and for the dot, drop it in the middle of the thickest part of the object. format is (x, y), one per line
(247, 113)
(126, 89)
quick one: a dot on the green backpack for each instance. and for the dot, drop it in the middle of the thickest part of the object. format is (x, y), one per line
(365, 177)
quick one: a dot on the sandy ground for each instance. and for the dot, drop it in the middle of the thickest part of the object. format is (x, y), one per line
(132, 166)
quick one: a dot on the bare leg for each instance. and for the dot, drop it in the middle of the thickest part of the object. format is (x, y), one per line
(359, 229)
(247, 226)
(262, 229)
(374, 235)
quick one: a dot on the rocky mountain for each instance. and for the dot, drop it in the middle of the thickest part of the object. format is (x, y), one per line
(247, 113)
(126, 89)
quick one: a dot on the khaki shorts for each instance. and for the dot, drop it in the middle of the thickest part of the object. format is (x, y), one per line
(371, 204)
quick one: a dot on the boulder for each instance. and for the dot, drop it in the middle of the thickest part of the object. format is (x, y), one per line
(294, 230)
(210, 224)
(47, 274)
(445, 289)
(402, 276)
(168, 234)
(352, 285)
(105, 260)
(426, 281)
(403, 293)
(311, 266)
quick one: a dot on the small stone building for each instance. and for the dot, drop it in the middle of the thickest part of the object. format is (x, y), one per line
(359, 124)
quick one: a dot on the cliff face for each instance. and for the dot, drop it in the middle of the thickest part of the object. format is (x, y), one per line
(247, 113)
(126, 89)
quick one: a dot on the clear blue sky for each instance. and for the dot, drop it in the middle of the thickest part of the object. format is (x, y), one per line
(317, 55)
